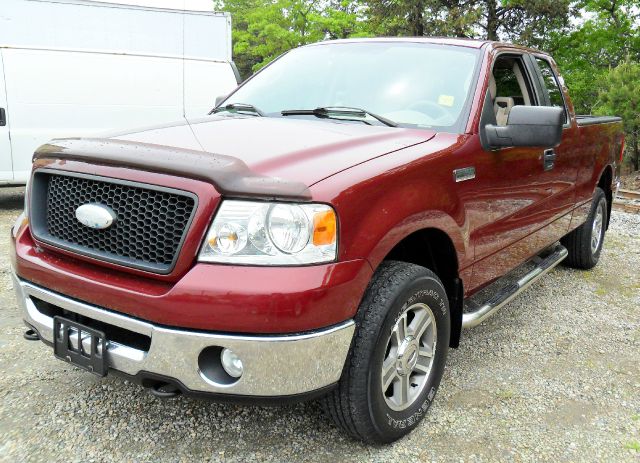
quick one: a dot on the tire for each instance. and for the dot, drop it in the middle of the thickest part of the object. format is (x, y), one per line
(585, 242)
(360, 404)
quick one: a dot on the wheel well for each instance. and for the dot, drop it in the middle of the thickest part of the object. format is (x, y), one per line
(605, 184)
(433, 249)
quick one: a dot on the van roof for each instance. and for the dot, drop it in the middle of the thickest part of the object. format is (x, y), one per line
(108, 27)
(204, 6)
(201, 5)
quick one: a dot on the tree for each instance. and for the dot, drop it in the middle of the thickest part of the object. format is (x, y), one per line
(586, 54)
(396, 17)
(264, 29)
(527, 22)
(341, 19)
(523, 21)
(619, 93)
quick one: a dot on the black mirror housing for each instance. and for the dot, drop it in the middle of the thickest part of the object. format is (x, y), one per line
(533, 126)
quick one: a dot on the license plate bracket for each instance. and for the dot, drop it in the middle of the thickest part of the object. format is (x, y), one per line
(80, 345)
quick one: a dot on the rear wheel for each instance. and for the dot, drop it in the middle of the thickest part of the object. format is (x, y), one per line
(585, 242)
(397, 357)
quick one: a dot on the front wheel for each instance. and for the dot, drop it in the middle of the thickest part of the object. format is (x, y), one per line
(585, 242)
(397, 357)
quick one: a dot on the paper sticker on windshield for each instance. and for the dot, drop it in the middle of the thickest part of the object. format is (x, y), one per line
(446, 100)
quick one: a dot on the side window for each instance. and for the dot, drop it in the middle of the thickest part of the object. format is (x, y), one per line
(509, 87)
(551, 84)
(507, 84)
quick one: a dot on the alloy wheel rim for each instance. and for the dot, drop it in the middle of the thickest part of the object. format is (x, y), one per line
(409, 355)
(597, 229)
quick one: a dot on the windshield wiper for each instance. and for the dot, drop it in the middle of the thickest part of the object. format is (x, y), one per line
(330, 111)
(238, 107)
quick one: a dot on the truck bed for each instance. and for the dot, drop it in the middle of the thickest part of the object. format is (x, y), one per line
(593, 120)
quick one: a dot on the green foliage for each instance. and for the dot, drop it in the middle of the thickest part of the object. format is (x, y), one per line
(633, 445)
(530, 22)
(586, 53)
(619, 94)
(523, 21)
(264, 29)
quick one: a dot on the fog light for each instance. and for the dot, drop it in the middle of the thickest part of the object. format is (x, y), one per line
(231, 363)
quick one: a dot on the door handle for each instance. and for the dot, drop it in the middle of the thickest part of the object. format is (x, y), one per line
(549, 159)
(3, 117)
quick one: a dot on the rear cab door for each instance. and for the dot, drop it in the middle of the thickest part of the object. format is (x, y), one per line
(563, 161)
(6, 167)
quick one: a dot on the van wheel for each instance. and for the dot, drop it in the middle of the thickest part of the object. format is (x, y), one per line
(397, 355)
(585, 242)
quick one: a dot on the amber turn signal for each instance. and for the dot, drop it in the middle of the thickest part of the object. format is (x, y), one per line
(324, 228)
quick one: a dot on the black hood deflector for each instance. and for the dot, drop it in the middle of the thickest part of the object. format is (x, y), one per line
(229, 175)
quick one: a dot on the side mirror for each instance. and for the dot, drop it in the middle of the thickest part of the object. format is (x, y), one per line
(534, 126)
(220, 99)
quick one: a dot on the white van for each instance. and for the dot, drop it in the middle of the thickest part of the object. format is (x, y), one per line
(77, 67)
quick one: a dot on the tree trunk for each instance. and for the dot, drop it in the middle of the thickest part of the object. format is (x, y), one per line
(492, 20)
(416, 19)
(636, 154)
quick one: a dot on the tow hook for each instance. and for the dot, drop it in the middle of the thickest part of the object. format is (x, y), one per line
(31, 335)
(164, 391)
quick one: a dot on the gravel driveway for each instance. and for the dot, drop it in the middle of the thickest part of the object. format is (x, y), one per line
(555, 376)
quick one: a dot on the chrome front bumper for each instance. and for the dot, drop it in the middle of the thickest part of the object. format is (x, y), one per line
(282, 365)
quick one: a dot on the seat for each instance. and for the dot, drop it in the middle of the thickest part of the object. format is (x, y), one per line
(493, 89)
(502, 106)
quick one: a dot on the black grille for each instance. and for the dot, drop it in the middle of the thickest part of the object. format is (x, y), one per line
(148, 230)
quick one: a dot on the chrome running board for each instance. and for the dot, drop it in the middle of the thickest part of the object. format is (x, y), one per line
(508, 293)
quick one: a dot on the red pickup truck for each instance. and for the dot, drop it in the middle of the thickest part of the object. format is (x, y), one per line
(318, 234)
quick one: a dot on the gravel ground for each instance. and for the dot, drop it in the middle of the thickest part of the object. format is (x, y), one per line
(555, 376)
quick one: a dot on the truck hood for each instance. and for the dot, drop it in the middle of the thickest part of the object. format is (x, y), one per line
(292, 149)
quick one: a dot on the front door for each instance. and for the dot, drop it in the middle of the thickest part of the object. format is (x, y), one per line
(6, 168)
(513, 195)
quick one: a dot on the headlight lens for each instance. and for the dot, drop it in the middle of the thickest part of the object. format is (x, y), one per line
(269, 233)
(288, 228)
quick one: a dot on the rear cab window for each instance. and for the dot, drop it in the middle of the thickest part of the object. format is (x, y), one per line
(551, 86)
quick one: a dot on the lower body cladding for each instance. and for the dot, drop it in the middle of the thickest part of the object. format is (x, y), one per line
(271, 366)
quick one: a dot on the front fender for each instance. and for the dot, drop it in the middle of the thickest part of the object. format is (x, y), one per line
(431, 219)
(384, 200)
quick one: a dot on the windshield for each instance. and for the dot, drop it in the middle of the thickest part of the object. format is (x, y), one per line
(411, 84)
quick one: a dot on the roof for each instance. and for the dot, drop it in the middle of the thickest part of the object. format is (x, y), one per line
(461, 42)
(454, 41)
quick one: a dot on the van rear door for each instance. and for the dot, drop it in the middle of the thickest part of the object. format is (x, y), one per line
(6, 170)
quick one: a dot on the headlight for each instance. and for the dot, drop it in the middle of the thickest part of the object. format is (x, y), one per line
(269, 233)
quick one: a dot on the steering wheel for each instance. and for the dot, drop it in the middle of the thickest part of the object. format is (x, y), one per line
(430, 108)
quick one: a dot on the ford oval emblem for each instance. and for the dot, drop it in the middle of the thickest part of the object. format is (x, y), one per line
(96, 216)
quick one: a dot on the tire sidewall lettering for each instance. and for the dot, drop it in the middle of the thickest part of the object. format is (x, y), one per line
(416, 416)
(430, 292)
